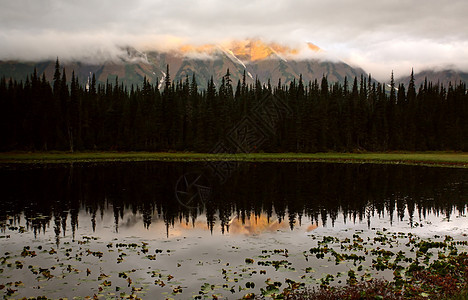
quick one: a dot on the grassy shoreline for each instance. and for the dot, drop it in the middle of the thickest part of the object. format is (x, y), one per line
(441, 159)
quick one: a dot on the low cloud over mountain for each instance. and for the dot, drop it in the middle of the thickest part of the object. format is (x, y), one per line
(379, 36)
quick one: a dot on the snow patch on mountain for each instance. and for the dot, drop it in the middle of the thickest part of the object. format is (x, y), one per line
(163, 78)
(277, 54)
(231, 55)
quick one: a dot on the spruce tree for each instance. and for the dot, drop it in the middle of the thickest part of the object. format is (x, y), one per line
(57, 83)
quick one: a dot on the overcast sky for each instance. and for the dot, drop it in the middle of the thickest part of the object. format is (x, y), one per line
(379, 36)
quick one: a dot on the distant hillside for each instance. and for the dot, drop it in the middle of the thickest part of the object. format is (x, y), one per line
(129, 73)
(443, 77)
(257, 59)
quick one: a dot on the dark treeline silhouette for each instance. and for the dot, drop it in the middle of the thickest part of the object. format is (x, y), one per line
(360, 114)
(289, 192)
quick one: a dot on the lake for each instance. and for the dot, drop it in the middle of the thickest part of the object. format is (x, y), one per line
(174, 230)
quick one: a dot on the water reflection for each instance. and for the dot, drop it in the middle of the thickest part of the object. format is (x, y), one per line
(259, 197)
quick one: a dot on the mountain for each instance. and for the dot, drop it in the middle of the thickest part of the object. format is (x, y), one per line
(257, 58)
(444, 77)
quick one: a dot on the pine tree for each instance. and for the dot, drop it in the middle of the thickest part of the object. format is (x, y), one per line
(167, 80)
(411, 96)
(57, 83)
(392, 116)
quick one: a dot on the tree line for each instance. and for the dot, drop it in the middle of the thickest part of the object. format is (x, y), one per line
(357, 115)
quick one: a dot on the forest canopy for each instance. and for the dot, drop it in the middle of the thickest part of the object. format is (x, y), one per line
(357, 115)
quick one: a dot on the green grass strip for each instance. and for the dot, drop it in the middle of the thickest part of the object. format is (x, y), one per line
(445, 159)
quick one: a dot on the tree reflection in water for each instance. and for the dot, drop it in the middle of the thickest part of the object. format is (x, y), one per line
(257, 197)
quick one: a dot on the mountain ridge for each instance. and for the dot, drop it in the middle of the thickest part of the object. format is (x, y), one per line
(260, 60)
(265, 61)
(443, 76)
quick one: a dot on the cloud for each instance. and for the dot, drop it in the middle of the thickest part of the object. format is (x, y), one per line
(402, 55)
(377, 35)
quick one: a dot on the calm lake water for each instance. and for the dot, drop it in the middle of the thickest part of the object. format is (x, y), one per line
(169, 230)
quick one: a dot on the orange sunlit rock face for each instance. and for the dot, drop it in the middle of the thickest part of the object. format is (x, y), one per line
(249, 50)
(207, 48)
(283, 49)
(314, 47)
